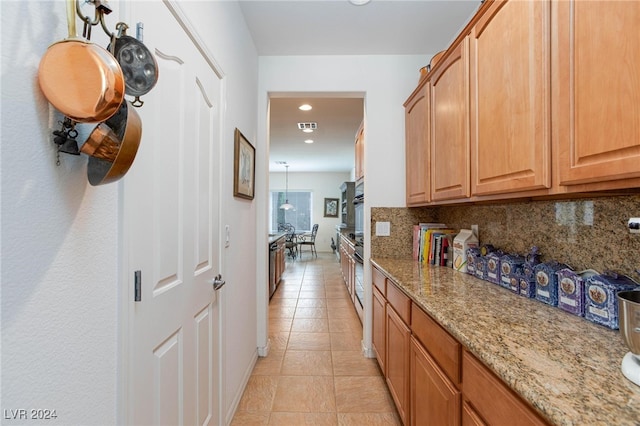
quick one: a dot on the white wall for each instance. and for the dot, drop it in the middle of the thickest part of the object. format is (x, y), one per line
(386, 82)
(59, 235)
(322, 185)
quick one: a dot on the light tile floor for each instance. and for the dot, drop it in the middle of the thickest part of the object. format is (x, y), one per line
(315, 373)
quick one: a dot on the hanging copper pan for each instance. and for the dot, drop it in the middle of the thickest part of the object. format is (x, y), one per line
(112, 146)
(79, 78)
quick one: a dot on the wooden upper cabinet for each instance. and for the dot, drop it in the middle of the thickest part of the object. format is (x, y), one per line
(450, 125)
(417, 146)
(596, 92)
(360, 153)
(510, 98)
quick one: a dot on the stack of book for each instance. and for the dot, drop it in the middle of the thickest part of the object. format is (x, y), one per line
(431, 242)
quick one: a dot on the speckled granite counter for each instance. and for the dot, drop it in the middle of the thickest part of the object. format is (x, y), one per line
(565, 366)
(275, 237)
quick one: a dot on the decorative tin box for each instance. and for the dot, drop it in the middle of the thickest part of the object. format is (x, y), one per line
(481, 267)
(472, 254)
(547, 281)
(571, 290)
(493, 267)
(527, 285)
(510, 264)
(601, 304)
(531, 260)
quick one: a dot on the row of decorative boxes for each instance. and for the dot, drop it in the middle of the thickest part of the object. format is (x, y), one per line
(586, 294)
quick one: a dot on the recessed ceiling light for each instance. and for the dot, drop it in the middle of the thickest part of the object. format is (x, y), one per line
(359, 2)
(309, 141)
(305, 107)
(308, 130)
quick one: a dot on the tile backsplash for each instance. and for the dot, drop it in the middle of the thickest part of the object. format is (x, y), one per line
(583, 233)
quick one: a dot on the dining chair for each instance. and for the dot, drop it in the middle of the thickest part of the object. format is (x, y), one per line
(309, 240)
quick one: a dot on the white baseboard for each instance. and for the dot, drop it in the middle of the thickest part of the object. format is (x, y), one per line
(238, 396)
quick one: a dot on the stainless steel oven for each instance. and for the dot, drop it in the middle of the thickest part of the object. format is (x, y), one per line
(358, 204)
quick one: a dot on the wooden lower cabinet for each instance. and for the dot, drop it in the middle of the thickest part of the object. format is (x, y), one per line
(470, 417)
(434, 398)
(432, 378)
(379, 333)
(492, 399)
(397, 362)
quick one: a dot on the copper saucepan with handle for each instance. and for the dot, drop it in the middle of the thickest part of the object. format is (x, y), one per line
(112, 146)
(79, 78)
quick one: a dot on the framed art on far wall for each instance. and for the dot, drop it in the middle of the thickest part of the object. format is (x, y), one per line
(244, 167)
(331, 207)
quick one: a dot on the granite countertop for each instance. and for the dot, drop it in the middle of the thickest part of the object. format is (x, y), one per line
(275, 237)
(565, 366)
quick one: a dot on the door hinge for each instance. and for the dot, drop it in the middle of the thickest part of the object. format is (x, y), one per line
(137, 289)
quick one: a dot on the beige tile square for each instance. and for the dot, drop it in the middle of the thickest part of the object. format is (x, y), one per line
(307, 363)
(310, 325)
(337, 293)
(346, 341)
(353, 363)
(362, 395)
(342, 312)
(303, 419)
(269, 365)
(276, 311)
(283, 302)
(312, 283)
(286, 294)
(259, 393)
(312, 303)
(339, 303)
(305, 394)
(310, 312)
(317, 293)
(280, 324)
(278, 340)
(250, 418)
(309, 341)
(369, 419)
(344, 325)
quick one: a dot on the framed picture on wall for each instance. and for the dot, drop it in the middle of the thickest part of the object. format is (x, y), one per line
(331, 207)
(244, 167)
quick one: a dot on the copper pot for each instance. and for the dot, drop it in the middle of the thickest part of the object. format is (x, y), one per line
(112, 146)
(81, 79)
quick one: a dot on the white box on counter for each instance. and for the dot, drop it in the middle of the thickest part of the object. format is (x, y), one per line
(463, 241)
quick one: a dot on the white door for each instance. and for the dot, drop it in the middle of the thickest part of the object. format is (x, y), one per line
(171, 211)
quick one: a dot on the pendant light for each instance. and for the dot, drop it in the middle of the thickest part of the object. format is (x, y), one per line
(286, 205)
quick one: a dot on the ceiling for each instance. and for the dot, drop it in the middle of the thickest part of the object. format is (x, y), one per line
(336, 27)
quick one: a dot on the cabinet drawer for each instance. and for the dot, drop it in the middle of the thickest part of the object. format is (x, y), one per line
(491, 398)
(443, 347)
(379, 280)
(400, 302)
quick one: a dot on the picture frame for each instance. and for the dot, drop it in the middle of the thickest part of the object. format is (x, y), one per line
(331, 206)
(244, 167)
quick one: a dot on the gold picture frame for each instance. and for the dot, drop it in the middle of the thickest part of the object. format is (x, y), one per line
(244, 167)
(331, 207)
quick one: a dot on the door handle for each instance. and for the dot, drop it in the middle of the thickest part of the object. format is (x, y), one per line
(218, 282)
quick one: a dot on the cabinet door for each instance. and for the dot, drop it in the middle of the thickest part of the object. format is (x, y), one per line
(492, 399)
(596, 69)
(398, 342)
(450, 126)
(417, 147)
(379, 328)
(510, 98)
(470, 417)
(434, 398)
